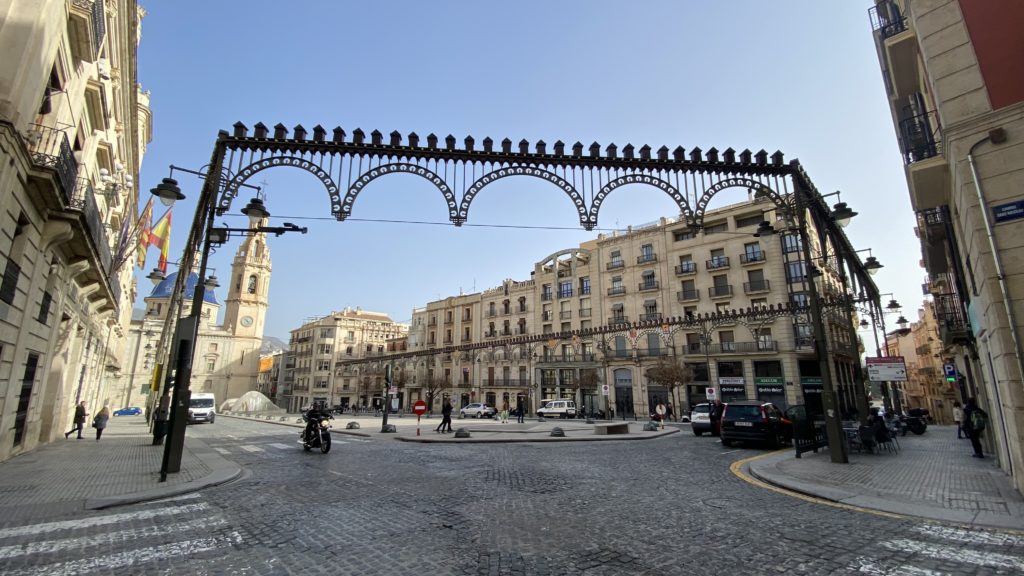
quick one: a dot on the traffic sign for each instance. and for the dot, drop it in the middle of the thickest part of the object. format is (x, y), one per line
(711, 393)
(393, 390)
(950, 370)
(419, 408)
(887, 369)
(604, 389)
(660, 409)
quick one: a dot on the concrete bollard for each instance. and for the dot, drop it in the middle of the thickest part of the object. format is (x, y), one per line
(352, 426)
(462, 433)
(557, 432)
(388, 429)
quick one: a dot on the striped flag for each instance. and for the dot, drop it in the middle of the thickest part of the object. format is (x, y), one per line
(145, 220)
(160, 236)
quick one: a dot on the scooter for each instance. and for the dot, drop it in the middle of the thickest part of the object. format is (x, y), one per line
(316, 434)
(916, 424)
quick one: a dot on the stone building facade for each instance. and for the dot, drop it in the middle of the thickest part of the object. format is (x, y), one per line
(953, 78)
(74, 125)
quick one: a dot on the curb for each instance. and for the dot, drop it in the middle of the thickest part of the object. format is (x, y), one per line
(223, 471)
(294, 425)
(594, 438)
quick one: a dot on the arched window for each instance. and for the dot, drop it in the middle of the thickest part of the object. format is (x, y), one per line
(252, 284)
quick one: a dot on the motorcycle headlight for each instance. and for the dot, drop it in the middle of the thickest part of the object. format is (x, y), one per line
(325, 423)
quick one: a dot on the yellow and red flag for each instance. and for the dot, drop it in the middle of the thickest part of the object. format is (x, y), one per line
(160, 236)
(143, 226)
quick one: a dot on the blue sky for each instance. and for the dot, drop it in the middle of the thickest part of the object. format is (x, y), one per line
(797, 76)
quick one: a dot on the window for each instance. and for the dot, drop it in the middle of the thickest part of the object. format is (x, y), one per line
(44, 308)
(213, 346)
(348, 349)
(617, 282)
(491, 309)
(649, 283)
(10, 283)
(800, 299)
(752, 253)
(722, 307)
(752, 220)
(467, 314)
(758, 302)
(764, 339)
(646, 254)
(585, 285)
(252, 284)
(791, 243)
(211, 365)
(796, 272)
(680, 235)
(565, 289)
(728, 340)
(689, 311)
(616, 260)
(686, 265)
(545, 292)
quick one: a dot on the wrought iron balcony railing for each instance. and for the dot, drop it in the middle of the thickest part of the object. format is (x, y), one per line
(717, 263)
(751, 257)
(584, 312)
(651, 317)
(584, 290)
(720, 291)
(686, 268)
(887, 18)
(920, 137)
(756, 286)
(618, 320)
(565, 314)
(565, 293)
(616, 290)
(649, 285)
(614, 264)
(645, 258)
(547, 296)
(688, 295)
(50, 148)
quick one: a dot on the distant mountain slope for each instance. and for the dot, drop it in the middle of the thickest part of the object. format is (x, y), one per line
(272, 345)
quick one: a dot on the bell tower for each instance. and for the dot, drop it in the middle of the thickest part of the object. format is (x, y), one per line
(247, 299)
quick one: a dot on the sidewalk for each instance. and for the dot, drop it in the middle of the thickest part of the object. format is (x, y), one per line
(933, 476)
(122, 468)
(482, 430)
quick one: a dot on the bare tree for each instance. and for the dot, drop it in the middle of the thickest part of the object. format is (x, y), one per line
(435, 387)
(668, 372)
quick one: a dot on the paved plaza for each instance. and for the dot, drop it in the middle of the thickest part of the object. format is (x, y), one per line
(668, 504)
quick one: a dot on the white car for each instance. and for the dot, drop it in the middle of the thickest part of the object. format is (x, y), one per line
(478, 410)
(559, 408)
(700, 419)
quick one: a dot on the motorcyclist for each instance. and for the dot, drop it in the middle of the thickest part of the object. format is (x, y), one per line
(317, 412)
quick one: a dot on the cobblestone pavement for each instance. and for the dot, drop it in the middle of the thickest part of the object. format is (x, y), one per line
(376, 506)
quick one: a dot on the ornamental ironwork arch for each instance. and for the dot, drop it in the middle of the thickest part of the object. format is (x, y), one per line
(507, 171)
(663, 185)
(245, 173)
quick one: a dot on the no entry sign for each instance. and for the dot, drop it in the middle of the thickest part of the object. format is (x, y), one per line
(419, 408)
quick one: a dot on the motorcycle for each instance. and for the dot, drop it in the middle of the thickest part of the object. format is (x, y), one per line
(915, 424)
(317, 433)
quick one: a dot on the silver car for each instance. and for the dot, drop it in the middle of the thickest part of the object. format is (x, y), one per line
(478, 410)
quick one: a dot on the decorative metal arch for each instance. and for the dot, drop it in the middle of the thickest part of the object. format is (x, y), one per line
(663, 185)
(759, 188)
(397, 168)
(520, 170)
(231, 187)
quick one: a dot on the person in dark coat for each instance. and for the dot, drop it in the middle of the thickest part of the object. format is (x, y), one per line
(446, 418)
(975, 421)
(716, 417)
(79, 420)
(100, 421)
(520, 412)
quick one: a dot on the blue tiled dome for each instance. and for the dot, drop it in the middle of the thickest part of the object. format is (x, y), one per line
(166, 286)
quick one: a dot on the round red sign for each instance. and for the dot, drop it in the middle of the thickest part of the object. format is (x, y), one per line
(419, 408)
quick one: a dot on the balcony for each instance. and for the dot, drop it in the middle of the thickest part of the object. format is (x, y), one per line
(584, 312)
(449, 321)
(618, 354)
(615, 264)
(651, 317)
(566, 357)
(565, 315)
(653, 352)
(720, 291)
(50, 149)
(732, 347)
(618, 319)
(646, 258)
(648, 286)
(506, 383)
(686, 268)
(585, 290)
(522, 331)
(547, 315)
(86, 28)
(547, 296)
(756, 286)
(616, 290)
(505, 332)
(492, 313)
(898, 42)
(751, 257)
(432, 322)
(688, 295)
(954, 329)
(717, 263)
(921, 145)
(521, 310)
(565, 293)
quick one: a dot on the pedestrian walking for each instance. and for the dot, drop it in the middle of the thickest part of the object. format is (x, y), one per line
(716, 417)
(100, 421)
(79, 421)
(521, 412)
(975, 422)
(958, 419)
(504, 413)
(446, 418)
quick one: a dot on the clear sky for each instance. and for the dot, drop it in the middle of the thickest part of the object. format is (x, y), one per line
(797, 76)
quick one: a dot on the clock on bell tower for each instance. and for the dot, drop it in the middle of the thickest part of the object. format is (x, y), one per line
(247, 299)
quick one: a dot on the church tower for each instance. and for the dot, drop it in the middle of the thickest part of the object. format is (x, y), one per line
(245, 311)
(246, 303)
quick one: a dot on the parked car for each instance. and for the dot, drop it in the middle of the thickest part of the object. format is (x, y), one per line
(129, 411)
(700, 419)
(755, 421)
(478, 410)
(559, 408)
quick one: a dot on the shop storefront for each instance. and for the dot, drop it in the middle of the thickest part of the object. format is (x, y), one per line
(771, 389)
(732, 389)
(812, 388)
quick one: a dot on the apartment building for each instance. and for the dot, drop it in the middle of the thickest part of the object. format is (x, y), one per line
(321, 353)
(953, 72)
(525, 342)
(74, 125)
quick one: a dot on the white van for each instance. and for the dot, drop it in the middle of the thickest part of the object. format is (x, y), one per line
(202, 408)
(558, 408)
